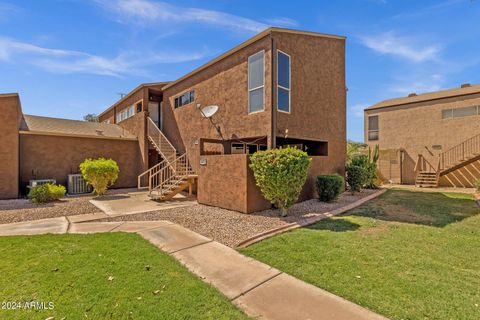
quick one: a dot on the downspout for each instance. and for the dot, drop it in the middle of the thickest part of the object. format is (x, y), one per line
(273, 91)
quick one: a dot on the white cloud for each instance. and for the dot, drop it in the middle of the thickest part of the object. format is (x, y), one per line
(418, 83)
(70, 61)
(142, 11)
(282, 22)
(403, 47)
(357, 110)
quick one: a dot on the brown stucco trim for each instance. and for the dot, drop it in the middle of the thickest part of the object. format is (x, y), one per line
(143, 85)
(259, 36)
(42, 133)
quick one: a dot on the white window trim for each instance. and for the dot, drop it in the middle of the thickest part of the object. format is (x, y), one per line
(253, 89)
(123, 115)
(289, 81)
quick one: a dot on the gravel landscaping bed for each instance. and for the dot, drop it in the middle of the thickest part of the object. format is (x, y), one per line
(23, 210)
(231, 227)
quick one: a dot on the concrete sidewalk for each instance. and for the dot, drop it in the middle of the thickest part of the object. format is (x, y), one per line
(258, 289)
(120, 204)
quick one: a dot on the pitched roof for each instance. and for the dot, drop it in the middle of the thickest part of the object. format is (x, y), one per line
(442, 94)
(255, 38)
(128, 95)
(56, 126)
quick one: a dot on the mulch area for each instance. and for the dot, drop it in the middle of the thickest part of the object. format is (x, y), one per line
(231, 227)
(23, 210)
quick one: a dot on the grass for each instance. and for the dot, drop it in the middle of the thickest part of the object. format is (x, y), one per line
(103, 276)
(406, 255)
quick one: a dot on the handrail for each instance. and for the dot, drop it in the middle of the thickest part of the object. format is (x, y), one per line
(460, 152)
(422, 163)
(178, 168)
(151, 171)
(160, 141)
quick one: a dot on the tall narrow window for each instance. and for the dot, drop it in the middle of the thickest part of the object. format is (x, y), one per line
(283, 82)
(373, 128)
(256, 82)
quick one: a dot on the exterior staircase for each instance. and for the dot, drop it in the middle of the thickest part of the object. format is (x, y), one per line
(450, 165)
(173, 174)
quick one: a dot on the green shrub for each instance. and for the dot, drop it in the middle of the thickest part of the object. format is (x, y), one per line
(280, 174)
(329, 186)
(369, 164)
(477, 184)
(46, 192)
(99, 173)
(355, 177)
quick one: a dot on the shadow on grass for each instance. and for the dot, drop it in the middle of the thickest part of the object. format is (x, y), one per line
(336, 225)
(424, 208)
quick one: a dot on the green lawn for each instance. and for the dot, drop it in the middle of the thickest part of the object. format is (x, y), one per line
(75, 273)
(406, 255)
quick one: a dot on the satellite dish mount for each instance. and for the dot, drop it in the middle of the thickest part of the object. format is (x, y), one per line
(208, 112)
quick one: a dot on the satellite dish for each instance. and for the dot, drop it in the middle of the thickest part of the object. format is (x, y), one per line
(209, 111)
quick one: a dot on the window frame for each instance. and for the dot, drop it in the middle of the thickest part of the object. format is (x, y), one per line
(177, 103)
(256, 88)
(373, 130)
(289, 90)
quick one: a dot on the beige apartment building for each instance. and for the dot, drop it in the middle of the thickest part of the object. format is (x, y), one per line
(430, 139)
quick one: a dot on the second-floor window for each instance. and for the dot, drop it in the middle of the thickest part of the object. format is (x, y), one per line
(372, 128)
(461, 112)
(283, 82)
(186, 98)
(256, 82)
(125, 113)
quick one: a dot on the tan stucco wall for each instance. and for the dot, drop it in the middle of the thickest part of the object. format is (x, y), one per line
(10, 111)
(54, 157)
(136, 125)
(416, 126)
(226, 181)
(223, 84)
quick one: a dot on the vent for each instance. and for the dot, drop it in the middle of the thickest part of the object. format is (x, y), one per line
(465, 85)
(77, 185)
(413, 94)
(34, 183)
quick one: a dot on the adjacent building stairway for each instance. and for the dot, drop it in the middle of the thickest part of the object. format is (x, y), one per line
(458, 165)
(172, 175)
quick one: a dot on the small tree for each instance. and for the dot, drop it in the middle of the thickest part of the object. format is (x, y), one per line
(280, 174)
(91, 117)
(100, 173)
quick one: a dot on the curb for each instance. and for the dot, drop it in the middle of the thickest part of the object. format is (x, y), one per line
(308, 221)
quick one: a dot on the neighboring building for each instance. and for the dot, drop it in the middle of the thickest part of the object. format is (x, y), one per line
(281, 87)
(429, 139)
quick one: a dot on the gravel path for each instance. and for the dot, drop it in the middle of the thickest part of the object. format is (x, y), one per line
(231, 227)
(23, 210)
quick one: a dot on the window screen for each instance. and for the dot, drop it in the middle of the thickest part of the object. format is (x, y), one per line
(373, 128)
(465, 112)
(255, 82)
(283, 81)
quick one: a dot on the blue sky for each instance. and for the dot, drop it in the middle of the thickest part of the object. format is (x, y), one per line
(68, 58)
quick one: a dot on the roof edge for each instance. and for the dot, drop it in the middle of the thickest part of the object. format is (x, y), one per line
(70, 135)
(375, 107)
(128, 95)
(246, 43)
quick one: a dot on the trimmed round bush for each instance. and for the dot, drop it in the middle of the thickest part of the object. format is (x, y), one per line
(329, 186)
(355, 177)
(100, 173)
(46, 193)
(280, 174)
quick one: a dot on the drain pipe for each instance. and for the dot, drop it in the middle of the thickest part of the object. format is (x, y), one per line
(273, 90)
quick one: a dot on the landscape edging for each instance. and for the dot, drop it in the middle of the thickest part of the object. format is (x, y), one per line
(309, 221)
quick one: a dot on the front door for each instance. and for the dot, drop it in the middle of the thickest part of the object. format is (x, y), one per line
(154, 113)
